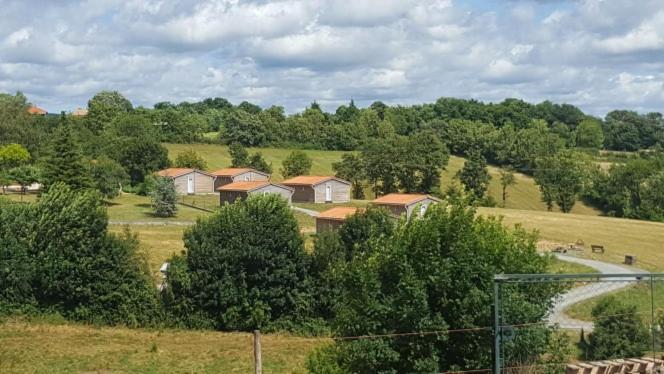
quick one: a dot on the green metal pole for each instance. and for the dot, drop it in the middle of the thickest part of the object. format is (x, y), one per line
(496, 326)
(653, 332)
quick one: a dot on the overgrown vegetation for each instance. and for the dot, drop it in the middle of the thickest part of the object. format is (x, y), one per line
(63, 260)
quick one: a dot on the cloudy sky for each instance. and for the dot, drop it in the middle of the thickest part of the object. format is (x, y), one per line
(597, 54)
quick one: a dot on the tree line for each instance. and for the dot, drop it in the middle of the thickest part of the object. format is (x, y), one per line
(394, 148)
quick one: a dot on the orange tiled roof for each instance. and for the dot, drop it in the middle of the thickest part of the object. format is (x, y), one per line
(310, 180)
(401, 199)
(173, 172)
(80, 112)
(230, 172)
(339, 213)
(243, 186)
(37, 110)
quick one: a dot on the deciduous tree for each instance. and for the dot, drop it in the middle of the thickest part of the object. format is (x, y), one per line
(190, 159)
(297, 163)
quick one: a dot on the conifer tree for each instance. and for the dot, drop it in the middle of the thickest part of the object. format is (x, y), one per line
(64, 162)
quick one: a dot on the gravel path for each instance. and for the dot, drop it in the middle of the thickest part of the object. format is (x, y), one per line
(152, 223)
(589, 291)
(308, 212)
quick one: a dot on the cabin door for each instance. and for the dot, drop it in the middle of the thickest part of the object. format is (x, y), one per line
(328, 193)
(190, 184)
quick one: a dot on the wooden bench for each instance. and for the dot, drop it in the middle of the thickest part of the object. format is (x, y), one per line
(597, 248)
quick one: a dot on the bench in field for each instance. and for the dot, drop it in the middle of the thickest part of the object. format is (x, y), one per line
(597, 248)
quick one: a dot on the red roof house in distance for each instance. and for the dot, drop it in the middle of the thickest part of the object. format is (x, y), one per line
(400, 203)
(319, 189)
(231, 175)
(331, 219)
(37, 111)
(79, 112)
(231, 192)
(189, 181)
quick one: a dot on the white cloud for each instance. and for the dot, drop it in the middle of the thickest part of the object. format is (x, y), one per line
(597, 54)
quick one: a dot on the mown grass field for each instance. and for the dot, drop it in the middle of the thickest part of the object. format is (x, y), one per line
(618, 236)
(637, 294)
(565, 267)
(46, 347)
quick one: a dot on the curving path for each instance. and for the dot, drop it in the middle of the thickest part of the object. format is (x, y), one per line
(589, 291)
(308, 212)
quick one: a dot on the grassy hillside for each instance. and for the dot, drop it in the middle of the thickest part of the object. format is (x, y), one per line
(39, 347)
(217, 157)
(525, 195)
(618, 236)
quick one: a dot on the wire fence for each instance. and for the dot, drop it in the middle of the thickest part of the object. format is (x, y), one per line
(580, 323)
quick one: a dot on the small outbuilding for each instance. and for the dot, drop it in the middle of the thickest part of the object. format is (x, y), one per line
(231, 192)
(189, 181)
(231, 175)
(332, 219)
(400, 203)
(319, 189)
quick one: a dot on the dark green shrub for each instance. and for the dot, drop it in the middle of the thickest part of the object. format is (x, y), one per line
(165, 198)
(619, 331)
(245, 268)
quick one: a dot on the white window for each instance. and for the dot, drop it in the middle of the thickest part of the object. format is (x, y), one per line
(423, 209)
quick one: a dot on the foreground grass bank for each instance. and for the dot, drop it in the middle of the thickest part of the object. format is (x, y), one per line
(40, 347)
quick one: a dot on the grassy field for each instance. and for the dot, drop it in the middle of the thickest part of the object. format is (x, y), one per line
(130, 207)
(525, 195)
(217, 157)
(565, 267)
(40, 347)
(638, 295)
(618, 236)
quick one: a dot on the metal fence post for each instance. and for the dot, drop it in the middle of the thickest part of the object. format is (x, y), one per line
(496, 325)
(653, 331)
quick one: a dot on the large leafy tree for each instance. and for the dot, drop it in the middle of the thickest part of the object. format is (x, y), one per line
(64, 162)
(245, 128)
(561, 179)
(435, 274)
(297, 163)
(17, 125)
(139, 156)
(108, 176)
(190, 159)
(239, 155)
(474, 175)
(589, 134)
(351, 168)
(104, 107)
(245, 268)
(13, 155)
(25, 175)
